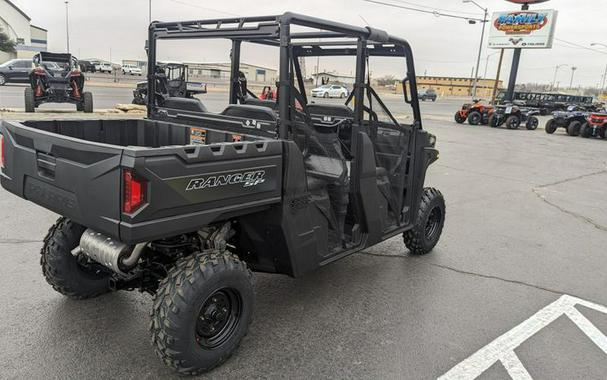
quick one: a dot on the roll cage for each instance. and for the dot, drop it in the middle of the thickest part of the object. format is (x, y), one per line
(328, 38)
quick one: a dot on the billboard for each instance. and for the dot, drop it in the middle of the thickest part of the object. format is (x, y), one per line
(530, 29)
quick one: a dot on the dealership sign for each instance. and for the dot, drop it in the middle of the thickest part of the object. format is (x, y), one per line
(522, 29)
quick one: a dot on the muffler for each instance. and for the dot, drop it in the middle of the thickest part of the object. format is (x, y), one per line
(109, 252)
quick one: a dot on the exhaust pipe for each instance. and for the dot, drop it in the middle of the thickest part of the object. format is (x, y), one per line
(109, 252)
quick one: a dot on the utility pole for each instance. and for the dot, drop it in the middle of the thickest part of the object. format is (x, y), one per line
(480, 46)
(67, 27)
(556, 70)
(603, 83)
(150, 12)
(497, 77)
(573, 68)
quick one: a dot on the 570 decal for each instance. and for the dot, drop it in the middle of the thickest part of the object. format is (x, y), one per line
(247, 179)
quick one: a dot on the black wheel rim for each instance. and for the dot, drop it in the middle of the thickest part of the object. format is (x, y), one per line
(433, 222)
(218, 318)
(513, 123)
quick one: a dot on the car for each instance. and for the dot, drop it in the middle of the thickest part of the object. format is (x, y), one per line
(302, 186)
(56, 78)
(103, 67)
(131, 70)
(476, 113)
(571, 120)
(428, 94)
(595, 125)
(513, 116)
(330, 91)
(15, 71)
(87, 65)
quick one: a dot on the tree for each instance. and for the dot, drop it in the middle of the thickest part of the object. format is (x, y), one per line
(6, 44)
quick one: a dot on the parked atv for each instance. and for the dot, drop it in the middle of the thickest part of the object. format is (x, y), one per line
(305, 186)
(476, 113)
(513, 116)
(595, 126)
(571, 120)
(171, 81)
(56, 78)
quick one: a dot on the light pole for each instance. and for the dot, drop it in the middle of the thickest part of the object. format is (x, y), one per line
(150, 12)
(67, 27)
(605, 73)
(556, 70)
(487, 63)
(480, 46)
(573, 68)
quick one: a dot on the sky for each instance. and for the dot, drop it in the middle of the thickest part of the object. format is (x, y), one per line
(442, 46)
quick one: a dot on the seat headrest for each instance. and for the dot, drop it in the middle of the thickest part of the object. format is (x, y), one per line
(250, 112)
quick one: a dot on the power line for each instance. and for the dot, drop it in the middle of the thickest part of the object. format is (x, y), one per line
(579, 46)
(433, 8)
(203, 8)
(434, 12)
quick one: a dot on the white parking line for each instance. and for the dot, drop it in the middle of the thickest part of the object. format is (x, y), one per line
(502, 348)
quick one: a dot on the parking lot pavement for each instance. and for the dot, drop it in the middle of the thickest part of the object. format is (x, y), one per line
(525, 225)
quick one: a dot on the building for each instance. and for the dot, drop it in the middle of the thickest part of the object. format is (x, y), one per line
(16, 24)
(221, 71)
(332, 78)
(454, 86)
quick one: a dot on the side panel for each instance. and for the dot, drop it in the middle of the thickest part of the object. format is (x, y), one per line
(68, 176)
(190, 187)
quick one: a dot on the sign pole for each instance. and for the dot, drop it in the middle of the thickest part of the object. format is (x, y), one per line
(497, 77)
(514, 69)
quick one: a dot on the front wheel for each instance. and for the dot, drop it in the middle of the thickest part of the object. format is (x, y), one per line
(550, 127)
(73, 276)
(513, 122)
(430, 221)
(573, 129)
(326, 95)
(201, 311)
(87, 104)
(532, 123)
(585, 130)
(2, 80)
(459, 118)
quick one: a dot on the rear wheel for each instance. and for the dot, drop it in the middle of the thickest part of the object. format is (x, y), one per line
(474, 118)
(492, 121)
(573, 129)
(2, 80)
(585, 130)
(72, 276)
(201, 311)
(459, 118)
(430, 221)
(513, 122)
(550, 127)
(87, 102)
(30, 100)
(532, 123)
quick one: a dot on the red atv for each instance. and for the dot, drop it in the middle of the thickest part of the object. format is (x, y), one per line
(476, 113)
(595, 125)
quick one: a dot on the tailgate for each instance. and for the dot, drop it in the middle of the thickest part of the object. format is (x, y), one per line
(72, 177)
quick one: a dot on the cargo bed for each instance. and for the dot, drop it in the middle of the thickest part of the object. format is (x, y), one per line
(76, 168)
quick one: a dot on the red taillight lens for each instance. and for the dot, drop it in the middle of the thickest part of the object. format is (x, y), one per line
(133, 195)
(2, 144)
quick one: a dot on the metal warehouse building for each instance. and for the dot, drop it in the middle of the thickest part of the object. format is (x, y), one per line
(221, 71)
(16, 24)
(454, 86)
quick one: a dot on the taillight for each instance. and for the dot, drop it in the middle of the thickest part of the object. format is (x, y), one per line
(2, 144)
(133, 194)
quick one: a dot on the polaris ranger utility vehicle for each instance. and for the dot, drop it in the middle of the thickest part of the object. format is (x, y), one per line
(571, 120)
(171, 81)
(595, 125)
(476, 113)
(57, 78)
(513, 116)
(306, 185)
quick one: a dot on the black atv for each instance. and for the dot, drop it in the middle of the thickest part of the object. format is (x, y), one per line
(57, 78)
(305, 184)
(571, 120)
(171, 81)
(512, 116)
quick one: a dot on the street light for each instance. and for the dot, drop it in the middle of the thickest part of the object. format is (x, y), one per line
(487, 63)
(556, 70)
(573, 68)
(480, 46)
(67, 28)
(605, 73)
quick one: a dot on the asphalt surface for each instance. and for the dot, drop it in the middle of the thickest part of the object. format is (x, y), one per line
(526, 223)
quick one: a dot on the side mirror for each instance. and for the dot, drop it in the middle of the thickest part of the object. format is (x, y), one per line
(406, 90)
